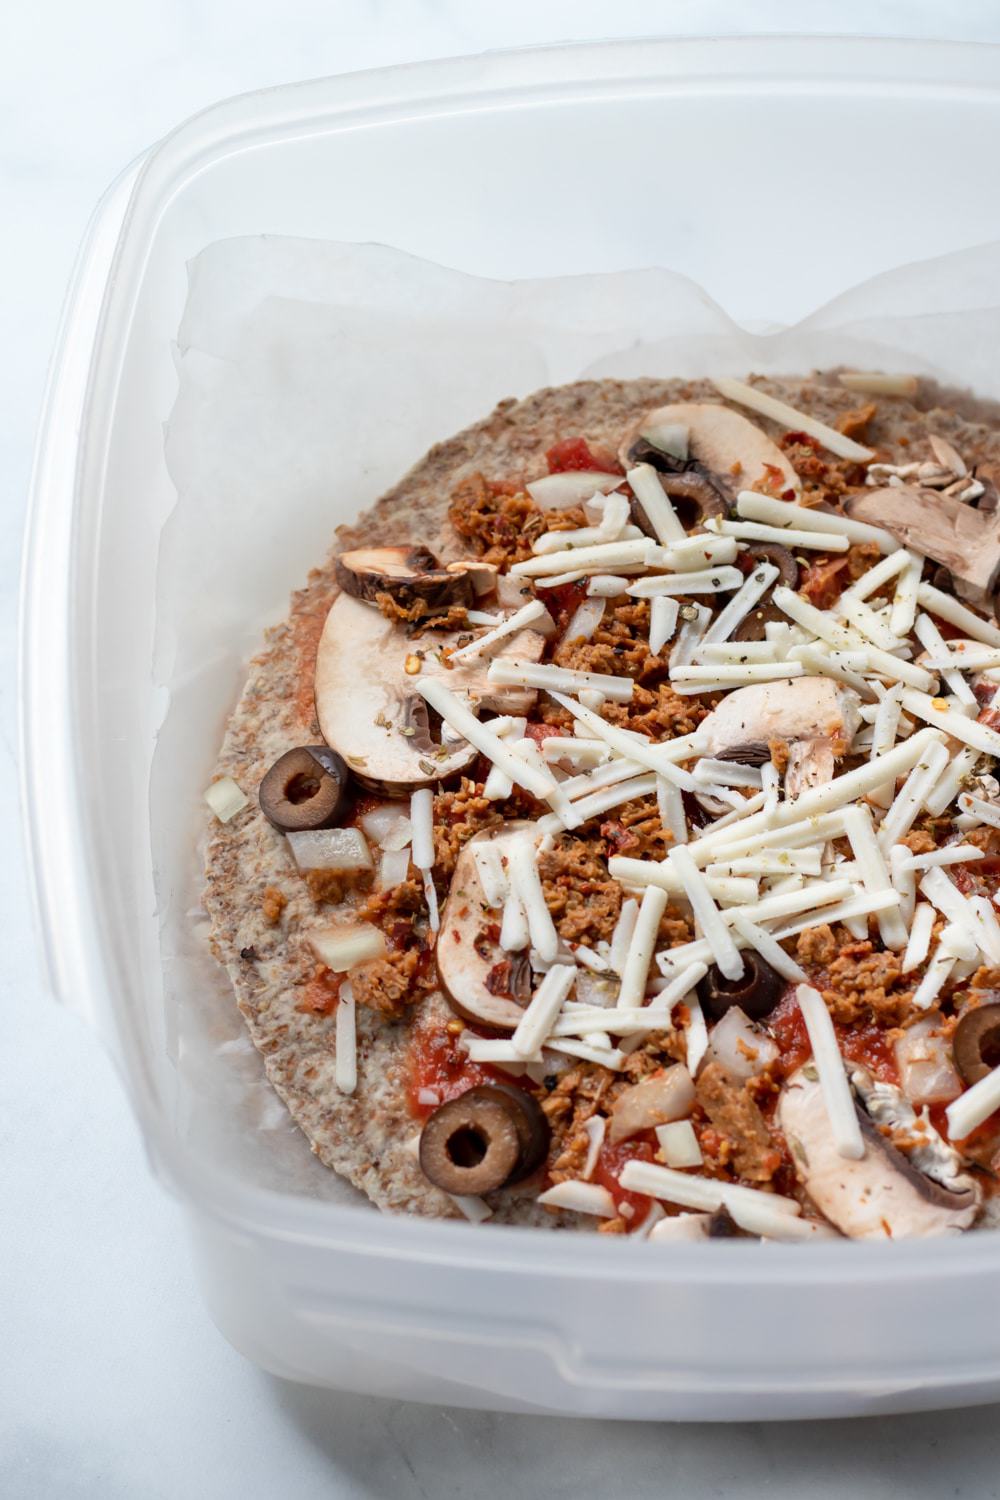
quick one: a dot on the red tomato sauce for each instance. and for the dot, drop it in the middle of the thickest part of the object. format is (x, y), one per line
(437, 1062)
(576, 453)
(867, 1045)
(562, 600)
(608, 1169)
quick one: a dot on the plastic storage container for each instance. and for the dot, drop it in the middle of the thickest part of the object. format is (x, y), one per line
(491, 165)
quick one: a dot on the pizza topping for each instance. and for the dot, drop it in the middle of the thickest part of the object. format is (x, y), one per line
(409, 576)
(722, 864)
(976, 1042)
(756, 992)
(472, 1144)
(888, 1190)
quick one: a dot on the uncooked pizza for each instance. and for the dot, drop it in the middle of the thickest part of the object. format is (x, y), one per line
(609, 838)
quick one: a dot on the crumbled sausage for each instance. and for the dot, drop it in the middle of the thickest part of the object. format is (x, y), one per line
(734, 1114)
(273, 904)
(580, 894)
(501, 522)
(387, 984)
(420, 615)
(458, 816)
(857, 982)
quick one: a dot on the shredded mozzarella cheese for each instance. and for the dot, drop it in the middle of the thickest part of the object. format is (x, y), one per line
(837, 1096)
(346, 1041)
(796, 421)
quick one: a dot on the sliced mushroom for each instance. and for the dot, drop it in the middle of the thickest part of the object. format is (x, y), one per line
(470, 963)
(726, 452)
(816, 716)
(482, 575)
(964, 540)
(887, 1194)
(406, 574)
(370, 711)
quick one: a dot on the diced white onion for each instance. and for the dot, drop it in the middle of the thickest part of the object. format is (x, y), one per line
(343, 849)
(226, 799)
(387, 825)
(742, 1050)
(394, 866)
(679, 1144)
(563, 491)
(923, 1056)
(340, 948)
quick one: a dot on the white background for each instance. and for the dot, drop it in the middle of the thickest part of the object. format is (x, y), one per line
(113, 1383)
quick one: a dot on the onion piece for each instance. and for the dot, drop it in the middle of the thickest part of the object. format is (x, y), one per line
(387, 825)
(737, 1045)
(560, 491)
(341, 948)
(393, 869)
(679, 1144)
(653, 1101)
(923, 1056)
(331, 849)
(584, 620)
(226, 799)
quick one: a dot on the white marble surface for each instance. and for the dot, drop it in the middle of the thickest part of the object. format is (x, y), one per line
(112, 1380)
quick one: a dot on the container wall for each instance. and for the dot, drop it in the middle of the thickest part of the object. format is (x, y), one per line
(737, 164)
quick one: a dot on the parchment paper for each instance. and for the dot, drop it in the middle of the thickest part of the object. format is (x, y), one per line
(310, 377)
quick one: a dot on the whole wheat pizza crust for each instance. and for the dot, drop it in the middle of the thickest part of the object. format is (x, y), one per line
(369, 1136)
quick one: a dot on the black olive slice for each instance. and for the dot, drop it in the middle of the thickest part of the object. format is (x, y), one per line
(305, 788)
(753, 626)
(774, 552)
(696, 493)
(533, 1129)
(976, 1043)
(472, 1144)
(756, 992)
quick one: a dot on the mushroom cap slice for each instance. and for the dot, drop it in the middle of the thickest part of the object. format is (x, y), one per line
(961, 538)
(883, 1195)
(465, 954)
(816, 709)
(723, 441)
(404, 572)
(368, 706)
